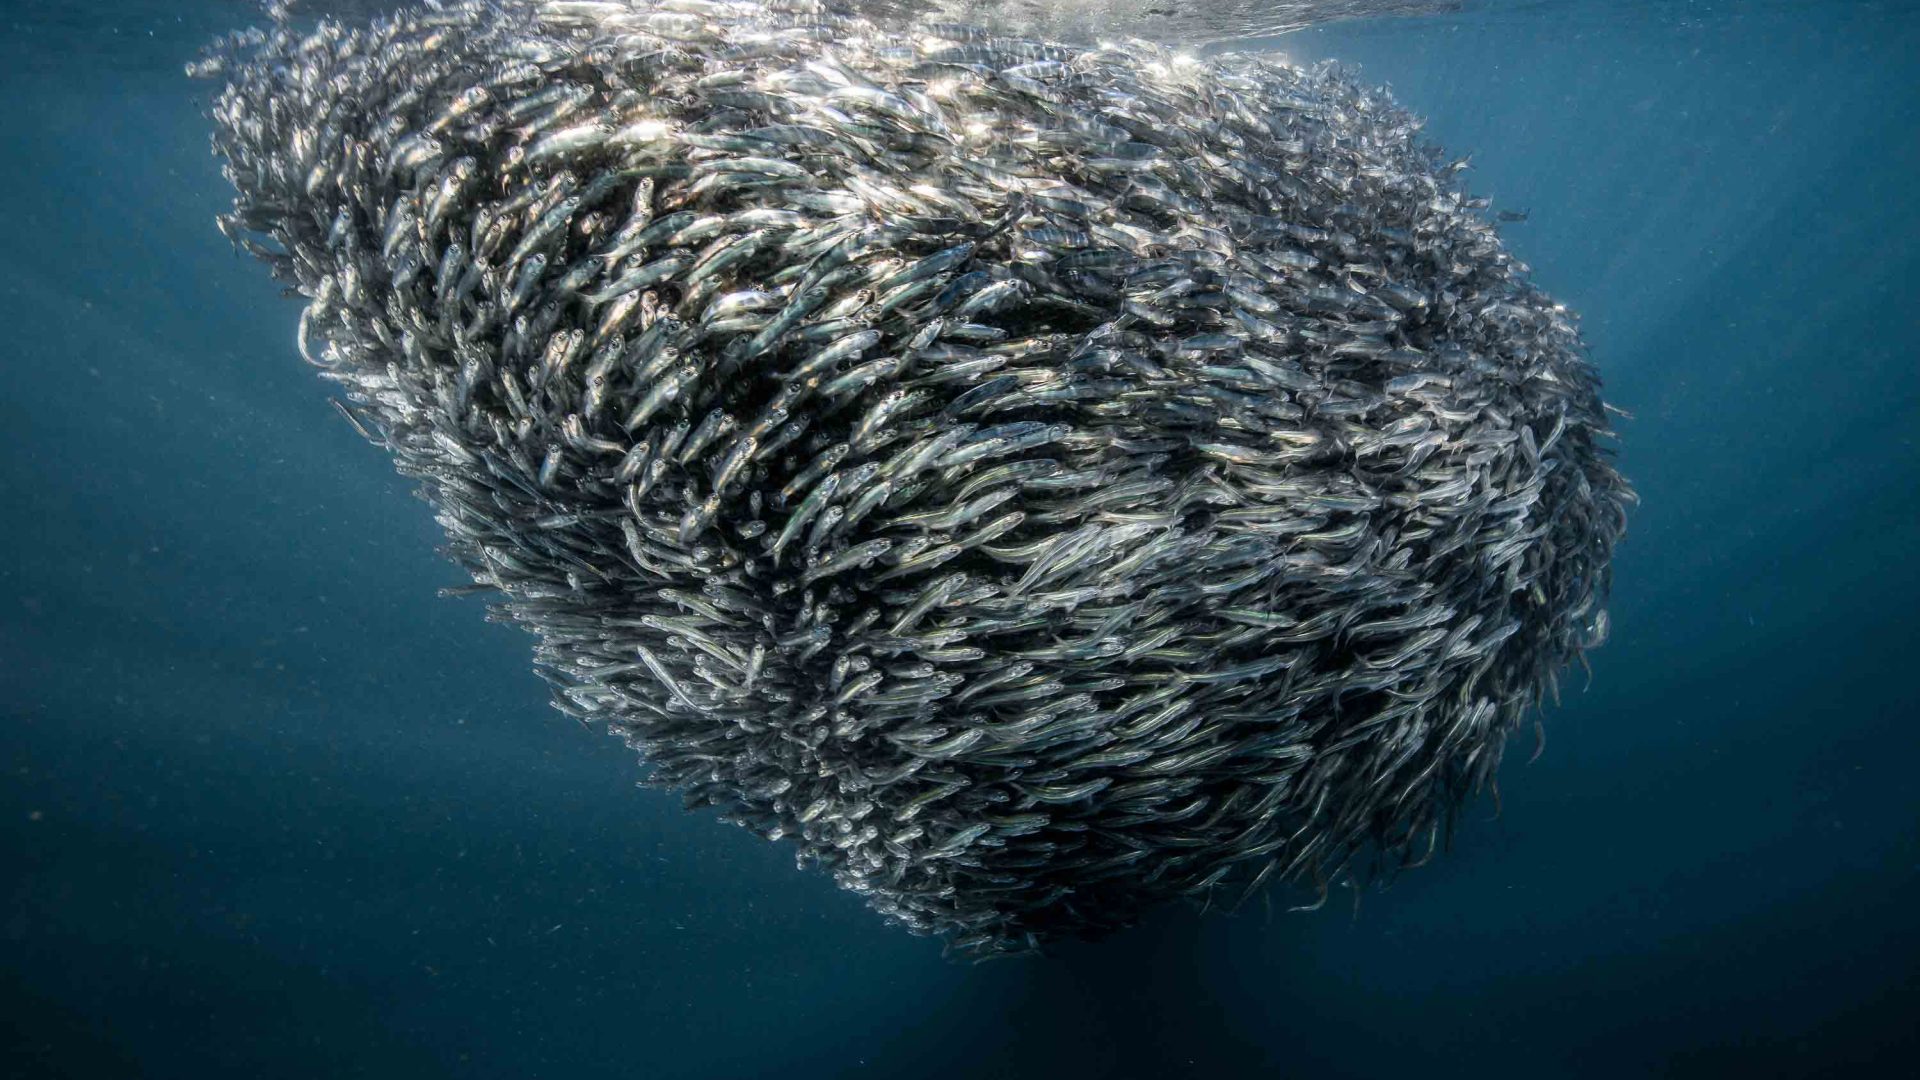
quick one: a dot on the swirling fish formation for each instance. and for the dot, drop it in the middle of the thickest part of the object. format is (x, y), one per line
(1036, 481)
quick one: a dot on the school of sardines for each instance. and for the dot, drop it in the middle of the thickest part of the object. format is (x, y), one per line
(1037, 481)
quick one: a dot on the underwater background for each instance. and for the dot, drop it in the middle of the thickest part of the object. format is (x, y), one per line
(272, 807)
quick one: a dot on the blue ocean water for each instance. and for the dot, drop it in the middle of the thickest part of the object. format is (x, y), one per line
(272, 808)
